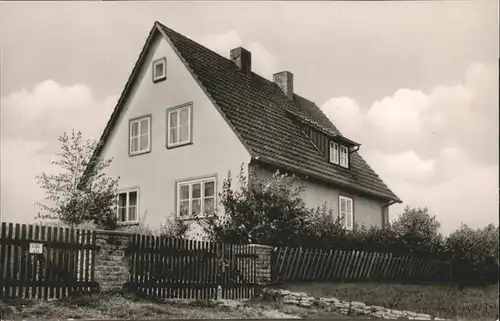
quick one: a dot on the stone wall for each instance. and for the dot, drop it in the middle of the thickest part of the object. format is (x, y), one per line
(111, 262)
(263, 264)
(112, 266)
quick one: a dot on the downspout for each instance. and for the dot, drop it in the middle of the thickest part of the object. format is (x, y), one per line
(384, 208)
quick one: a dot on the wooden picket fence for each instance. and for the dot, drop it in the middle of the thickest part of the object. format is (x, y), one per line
(169, 268)
(305, 264)
(65, 263)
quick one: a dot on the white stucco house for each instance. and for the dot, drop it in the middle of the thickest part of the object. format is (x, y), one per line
(187, 116)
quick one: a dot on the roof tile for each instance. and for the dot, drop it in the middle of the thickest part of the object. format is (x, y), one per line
(256, 108)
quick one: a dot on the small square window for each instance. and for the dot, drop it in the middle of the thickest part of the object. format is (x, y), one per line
(159, 69)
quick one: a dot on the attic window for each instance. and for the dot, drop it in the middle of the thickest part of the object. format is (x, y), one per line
(159, 69)
(339, 154)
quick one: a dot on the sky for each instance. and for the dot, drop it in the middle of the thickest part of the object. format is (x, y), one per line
(415, 82)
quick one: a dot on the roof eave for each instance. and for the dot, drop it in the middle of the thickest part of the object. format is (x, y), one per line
(311, 174)
(119, 105)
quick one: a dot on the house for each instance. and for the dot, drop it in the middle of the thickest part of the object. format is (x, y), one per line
(187, 116)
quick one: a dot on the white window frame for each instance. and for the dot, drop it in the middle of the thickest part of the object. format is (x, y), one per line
(190, 183)
(161, 61)
(334, 152)
(348, 221)
(178, 109)
(127, 206)
(344, 156)
(130, 137)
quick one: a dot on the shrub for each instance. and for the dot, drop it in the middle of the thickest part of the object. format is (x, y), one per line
(474, 254)
(267, 211)
(271, 211)
(172, 227)
(418, 232)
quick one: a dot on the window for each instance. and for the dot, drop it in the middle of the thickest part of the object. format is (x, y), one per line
(159, 69)
(196, 197)
(127, 208)
(344, 156)
(346, 212)
(339, 154)
(334, 153)
(179, 123)
(140, 135)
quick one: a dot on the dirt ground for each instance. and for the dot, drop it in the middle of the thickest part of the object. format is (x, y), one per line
(120, 307)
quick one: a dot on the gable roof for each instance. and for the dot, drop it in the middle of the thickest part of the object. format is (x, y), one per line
(258, 112)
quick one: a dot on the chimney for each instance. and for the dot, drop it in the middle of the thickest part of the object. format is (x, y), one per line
(242, 58)
(284, 80)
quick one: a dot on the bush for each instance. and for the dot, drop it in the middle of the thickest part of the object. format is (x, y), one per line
(418, 232)
(268, 211)
(172, 227)
(474, 254)
(271, 211)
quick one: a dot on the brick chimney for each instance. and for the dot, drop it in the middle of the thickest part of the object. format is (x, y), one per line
(242, 58)
(284, 80)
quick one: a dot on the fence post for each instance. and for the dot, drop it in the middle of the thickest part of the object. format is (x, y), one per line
(263, 264)
(112, 270)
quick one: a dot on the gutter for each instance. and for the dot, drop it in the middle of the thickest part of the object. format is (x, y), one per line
(319, 177)
(391, 202)
(355, 149)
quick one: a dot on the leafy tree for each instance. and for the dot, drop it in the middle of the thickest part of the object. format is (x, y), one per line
(418, 230)
(80, 192)
(474, 253)
(265, 211)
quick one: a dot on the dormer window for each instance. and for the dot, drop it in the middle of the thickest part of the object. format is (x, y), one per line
(334, 153)
(159, 69)
(339, 154)
(344, 156)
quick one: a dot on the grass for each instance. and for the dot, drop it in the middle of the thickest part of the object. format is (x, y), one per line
(130, 307)
(444, 301)
(117, 307)
(437, 300)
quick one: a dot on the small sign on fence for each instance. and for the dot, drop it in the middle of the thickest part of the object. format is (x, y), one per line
(36, 248)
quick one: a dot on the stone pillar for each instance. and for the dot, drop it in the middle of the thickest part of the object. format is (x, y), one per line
(263, 264)
(111, 262)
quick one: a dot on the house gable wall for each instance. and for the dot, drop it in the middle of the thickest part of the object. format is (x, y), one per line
(215, 149)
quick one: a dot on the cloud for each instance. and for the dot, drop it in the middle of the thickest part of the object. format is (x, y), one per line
(438, 149)
(48, 110)
(31, 123)
(263, 61)
(406, 166)
(346, 113)
(463, 114)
